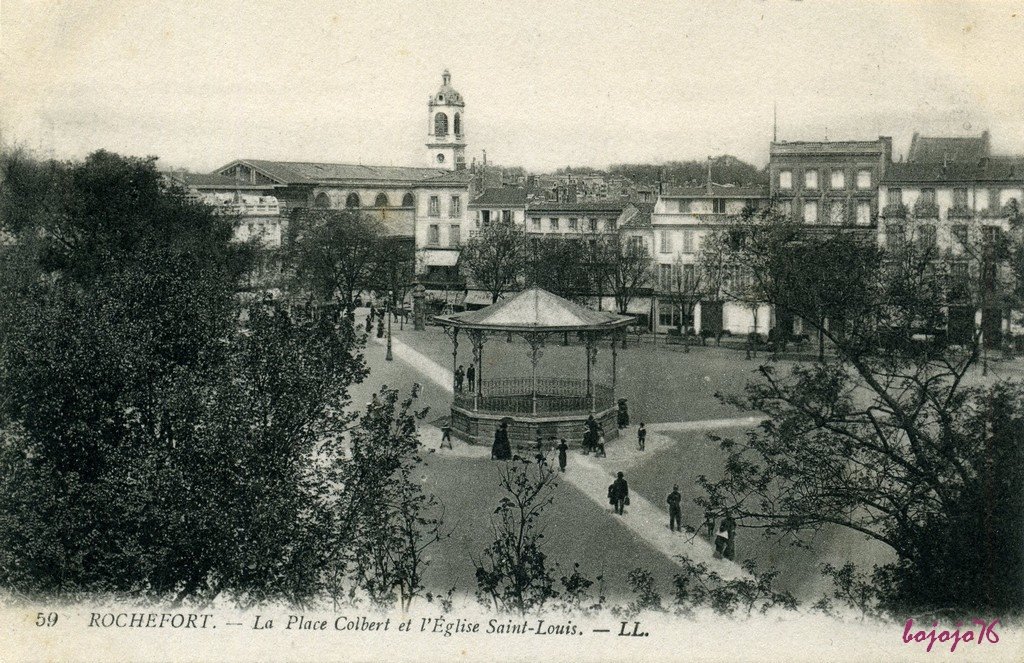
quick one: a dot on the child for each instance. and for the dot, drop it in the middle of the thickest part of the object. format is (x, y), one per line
(641, 436)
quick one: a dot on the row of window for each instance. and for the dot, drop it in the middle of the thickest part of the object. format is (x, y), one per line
(554, 224)
(441, 124)
(927, 235)
(434, 235)
(353, 201)
(894, 196)
(718, 206)
(833, 212)
(665, 242)
(836, 179)
(454, 207)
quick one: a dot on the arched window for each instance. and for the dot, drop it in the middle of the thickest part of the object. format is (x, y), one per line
(457, 124)
(440, 124)
(408, 200)
(381, 201)
(322, 201)
(352, 201)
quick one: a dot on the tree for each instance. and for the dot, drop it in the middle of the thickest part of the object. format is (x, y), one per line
(336, 252)
(560, 265)
(885, 440)
(626, 269)
(496, 258)
(515, 575)
(390, 522)
(151, 446)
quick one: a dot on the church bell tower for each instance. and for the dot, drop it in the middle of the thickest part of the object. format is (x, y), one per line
(446, 127)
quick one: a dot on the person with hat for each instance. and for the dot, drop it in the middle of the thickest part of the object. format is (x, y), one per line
(618, 493)
(675, 510)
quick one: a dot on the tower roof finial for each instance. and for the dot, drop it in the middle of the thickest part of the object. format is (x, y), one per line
(446, 77)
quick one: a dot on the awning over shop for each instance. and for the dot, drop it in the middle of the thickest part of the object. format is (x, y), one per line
(436, 258)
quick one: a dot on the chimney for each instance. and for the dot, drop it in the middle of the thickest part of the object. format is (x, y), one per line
(485, 158)
(709, 176)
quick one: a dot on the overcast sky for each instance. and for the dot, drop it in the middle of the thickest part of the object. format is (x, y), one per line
(201, 83)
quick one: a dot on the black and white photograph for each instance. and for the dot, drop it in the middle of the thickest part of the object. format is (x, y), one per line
(520, 331)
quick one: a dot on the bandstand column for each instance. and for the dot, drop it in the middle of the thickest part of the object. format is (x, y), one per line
(536, 341)
(477, 339)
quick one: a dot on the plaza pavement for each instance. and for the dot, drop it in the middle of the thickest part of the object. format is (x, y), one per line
(591, 476)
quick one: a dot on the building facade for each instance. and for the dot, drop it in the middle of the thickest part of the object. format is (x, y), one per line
(683, 218)
(829, 183)
(959, 211)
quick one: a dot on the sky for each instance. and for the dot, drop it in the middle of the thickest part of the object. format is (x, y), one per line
(546, 84)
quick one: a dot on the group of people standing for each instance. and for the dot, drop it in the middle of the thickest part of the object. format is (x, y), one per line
(593, 438)
(464, 376)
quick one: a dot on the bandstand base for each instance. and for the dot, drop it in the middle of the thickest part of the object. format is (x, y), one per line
(478, 427)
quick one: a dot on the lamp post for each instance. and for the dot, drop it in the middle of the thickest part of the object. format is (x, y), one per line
(391, 294)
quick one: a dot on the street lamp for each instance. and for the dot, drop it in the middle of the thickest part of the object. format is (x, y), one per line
(391, 294)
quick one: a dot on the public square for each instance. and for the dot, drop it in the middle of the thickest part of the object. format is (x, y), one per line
(674, 393)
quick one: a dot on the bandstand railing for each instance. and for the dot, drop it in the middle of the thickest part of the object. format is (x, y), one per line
(554, 396)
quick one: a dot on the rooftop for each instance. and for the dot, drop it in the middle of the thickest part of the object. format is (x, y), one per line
(874, 147)
(307, 172)
(992, 169)
(506, 196)
(535, 309)
(939, 149)
(582, 206)
(210, 181)
(716, 191)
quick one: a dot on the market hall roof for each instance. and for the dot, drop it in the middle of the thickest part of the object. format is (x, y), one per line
(535, 309)
(991, 169)
(308, 172)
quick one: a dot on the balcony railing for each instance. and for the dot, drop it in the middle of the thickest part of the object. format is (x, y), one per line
(925, 210)
(895, 211)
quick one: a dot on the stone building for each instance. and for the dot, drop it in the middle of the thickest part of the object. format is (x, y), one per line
(829, 183)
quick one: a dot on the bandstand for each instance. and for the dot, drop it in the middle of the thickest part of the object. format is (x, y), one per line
(533, 405)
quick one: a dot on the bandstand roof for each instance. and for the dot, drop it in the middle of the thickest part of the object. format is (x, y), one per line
(535, 309)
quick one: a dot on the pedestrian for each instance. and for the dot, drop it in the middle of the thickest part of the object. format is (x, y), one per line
(446, 435)
(563, 454)
(380, 328)
(600, 445)
(471, 377)
(618, 494)
(675, 510)
(730, 543)
(587, 444)
(460, 375)
(641, 437)
(501, 449)
(373, 311)
(722, 539)
(369, 323)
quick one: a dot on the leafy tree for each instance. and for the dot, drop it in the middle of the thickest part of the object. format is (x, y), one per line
(496, 258)
(725, 169)
(391, 523)
(151, 447)
(887, 439)
(515, 575)
(338, 252)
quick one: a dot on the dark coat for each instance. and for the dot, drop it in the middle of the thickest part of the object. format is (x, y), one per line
(674, 499)
(619, 489)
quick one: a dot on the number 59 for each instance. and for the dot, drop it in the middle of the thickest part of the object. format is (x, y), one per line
(46, 619)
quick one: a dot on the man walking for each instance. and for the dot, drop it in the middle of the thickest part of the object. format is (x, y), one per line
(563, 453)
(618, 493)
(675, 511)
(641, 437)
